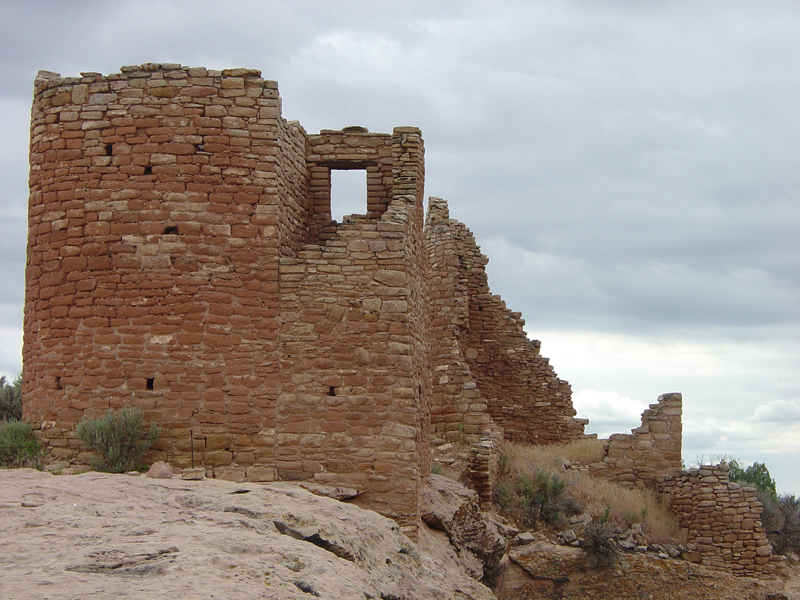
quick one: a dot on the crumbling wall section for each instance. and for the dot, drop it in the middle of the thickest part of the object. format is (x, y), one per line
(651, 451)
(486, 370)
(484, 466)
(523, 392)
(723, 521)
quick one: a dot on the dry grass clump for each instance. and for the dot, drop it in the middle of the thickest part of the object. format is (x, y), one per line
(622, 507)
(534, 484)
(583, 452)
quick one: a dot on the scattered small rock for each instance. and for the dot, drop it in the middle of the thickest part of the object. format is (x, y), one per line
(567, 537)
(583, 519)
(160, 470)
(526, 537)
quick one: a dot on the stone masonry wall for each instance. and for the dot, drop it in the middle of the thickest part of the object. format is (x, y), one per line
(457, 406)
(156, 221)
(351, 148)
(354, 358)
(171, 215)
(723, 520)
(651, 451)
(484, 363)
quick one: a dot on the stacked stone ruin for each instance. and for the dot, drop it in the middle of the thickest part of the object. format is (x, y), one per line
(182, 257)
(651, 451)
(722, 520)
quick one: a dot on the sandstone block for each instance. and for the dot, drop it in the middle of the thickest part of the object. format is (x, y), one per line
(160, 470)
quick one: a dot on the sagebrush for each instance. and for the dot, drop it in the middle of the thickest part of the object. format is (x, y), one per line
(599, 545)
(119, 436)
(18, 447)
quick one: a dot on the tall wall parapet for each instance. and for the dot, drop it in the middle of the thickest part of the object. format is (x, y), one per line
(485, 365)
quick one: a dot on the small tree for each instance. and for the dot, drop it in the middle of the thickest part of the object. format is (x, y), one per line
(781, 519)
(119, 437)
(756, 475)
(10, 399)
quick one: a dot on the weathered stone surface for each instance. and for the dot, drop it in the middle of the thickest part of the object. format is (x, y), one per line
(193, 474)
(545, 570)
(450, 507)
(544, 560)
(115, 536)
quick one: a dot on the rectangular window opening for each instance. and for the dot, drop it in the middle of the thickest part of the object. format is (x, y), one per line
(150, 383)
(348, 193)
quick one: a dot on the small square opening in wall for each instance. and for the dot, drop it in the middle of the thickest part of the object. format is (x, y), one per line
(348, 193)
(150, 383)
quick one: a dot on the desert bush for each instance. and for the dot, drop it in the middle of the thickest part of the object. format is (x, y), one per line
(10, 399)
(781, 520)
(532, 497)
(599, 545)
(18, 447)
(119, 436)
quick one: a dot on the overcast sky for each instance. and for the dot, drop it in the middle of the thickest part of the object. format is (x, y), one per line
(632, 170)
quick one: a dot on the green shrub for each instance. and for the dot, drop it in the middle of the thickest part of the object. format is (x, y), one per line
(11, 399)
(533, 497)
(119, 437)
(756, 475)
(18, 447)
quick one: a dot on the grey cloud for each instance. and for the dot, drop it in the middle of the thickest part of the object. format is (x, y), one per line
(779, 411)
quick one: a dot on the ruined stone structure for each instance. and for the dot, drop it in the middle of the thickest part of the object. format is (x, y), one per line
(182, 257)
(723, 520)
(652, 451)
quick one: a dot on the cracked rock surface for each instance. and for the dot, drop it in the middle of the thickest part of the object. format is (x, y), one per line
(98, 535)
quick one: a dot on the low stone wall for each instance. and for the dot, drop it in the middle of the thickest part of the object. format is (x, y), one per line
(649, 452)
(723, 520)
